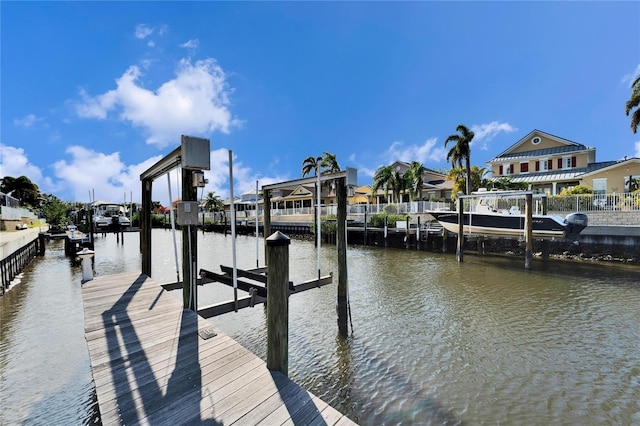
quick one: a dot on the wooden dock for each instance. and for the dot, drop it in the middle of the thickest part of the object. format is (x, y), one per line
(155, 363)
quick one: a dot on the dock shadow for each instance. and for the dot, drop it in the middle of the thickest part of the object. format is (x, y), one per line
(132, 367)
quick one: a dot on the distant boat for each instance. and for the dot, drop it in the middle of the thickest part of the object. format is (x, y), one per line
(485, 219)
(105, 214)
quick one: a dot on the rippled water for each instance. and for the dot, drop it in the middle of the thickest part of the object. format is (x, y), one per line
(482, 342)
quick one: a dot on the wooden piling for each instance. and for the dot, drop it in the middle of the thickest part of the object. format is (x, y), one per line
(145, 226)
(278, 302)
(460, 245)
(528, 253)
(189, 245)
(266, 218)
(545, 243)
(342, 307)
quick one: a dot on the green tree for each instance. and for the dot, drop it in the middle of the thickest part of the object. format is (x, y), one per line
(458, 175)
(413, 177)
(213, 202)
(634, 102)
(329, 163)
(382, 179)
(54, 210)
(21, 188)
(461, 151)
(311, 164)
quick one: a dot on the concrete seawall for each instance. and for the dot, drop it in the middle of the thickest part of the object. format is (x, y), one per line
(11, 241)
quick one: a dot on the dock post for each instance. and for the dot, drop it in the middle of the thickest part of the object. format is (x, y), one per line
(365, 225)
(528, 252)
(343, 302)
(445, 238)
(459, 247)
(278, 302)
(41, 242)
(545, 243)
(266, 218)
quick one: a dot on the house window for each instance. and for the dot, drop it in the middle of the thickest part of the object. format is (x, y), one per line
(500, 170)
(599, 187)
(508, 169)
(524, 167)
(544, 165)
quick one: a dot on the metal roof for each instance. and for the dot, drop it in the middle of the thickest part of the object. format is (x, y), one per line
(558, 175)
(541, 153)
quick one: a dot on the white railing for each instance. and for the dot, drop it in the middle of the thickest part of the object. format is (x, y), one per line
(590, 202)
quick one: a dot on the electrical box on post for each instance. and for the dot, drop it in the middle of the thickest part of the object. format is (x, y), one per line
(187, 213)
(196, 154)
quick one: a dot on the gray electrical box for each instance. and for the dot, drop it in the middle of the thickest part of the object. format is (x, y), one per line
(196, 154)
(187, 213)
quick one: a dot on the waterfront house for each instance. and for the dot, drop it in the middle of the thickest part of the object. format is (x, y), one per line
(436, 185)
(549, 164)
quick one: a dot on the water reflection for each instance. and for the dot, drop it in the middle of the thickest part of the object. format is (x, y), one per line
(434, 341)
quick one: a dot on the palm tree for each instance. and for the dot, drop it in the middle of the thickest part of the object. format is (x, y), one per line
(213, 202)
(413, 176)
(634, 102)
(382, 179)
(461, 151)
(311, 164)
(329, 163)
(398, 185)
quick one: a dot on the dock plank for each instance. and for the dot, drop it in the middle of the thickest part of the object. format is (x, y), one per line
(151, 366)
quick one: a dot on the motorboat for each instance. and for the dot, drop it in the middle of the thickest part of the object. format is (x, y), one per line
(485, 218)
(107, 214)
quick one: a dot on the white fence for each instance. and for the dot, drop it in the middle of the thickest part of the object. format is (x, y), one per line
(590, 202)
(16, 213)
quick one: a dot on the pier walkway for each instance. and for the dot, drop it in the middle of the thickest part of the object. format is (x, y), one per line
(155, 363)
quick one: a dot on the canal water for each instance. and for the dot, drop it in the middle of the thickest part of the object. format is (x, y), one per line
(434, 341)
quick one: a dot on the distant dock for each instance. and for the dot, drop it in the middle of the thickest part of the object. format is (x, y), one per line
(154, 362)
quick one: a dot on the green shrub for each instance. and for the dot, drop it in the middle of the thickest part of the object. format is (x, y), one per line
(377, 220)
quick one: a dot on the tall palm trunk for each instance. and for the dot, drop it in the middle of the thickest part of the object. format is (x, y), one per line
(468, 169)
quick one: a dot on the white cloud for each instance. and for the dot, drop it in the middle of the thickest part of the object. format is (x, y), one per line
(27, 121)
(637, 153)
(105, 174)
(428, 151)
(630, 77)
(191, 44)
(143, 31)
(486, 132)
(14, 163)
(196, 101)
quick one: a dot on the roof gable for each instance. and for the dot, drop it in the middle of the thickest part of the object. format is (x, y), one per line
(608, 165)
(538, 143)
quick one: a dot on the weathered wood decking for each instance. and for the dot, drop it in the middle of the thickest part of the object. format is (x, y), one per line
(152, 363)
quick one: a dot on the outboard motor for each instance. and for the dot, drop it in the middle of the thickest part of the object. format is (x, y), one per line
(575, 223)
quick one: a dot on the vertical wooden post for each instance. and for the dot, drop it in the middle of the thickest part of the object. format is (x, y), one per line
(365, 225)
(528, 253)
(342, 257)
(41, 242)
(145, 227)
(445, 239)
(460, 245)
(278, 302)
(189, 235)
(545, 243)
(266, 226)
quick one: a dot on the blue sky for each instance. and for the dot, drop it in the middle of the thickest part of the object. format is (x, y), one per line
(93, 93)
